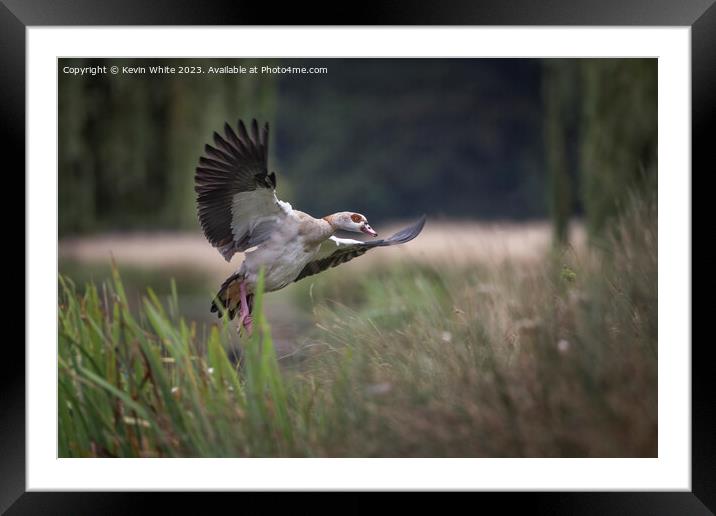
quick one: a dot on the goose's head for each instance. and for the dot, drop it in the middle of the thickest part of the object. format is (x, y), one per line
(349, 221)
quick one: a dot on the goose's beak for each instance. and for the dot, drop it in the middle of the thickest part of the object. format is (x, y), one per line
(365, 228)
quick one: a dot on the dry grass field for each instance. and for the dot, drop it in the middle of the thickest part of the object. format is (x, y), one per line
(441, 242)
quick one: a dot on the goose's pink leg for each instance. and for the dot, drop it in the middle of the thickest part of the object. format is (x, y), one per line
(244, 315)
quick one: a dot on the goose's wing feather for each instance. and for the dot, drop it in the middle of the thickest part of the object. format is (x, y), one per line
(236, 198)
(336, 251)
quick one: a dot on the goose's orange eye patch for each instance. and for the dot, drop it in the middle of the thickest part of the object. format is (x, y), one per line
(356, 218)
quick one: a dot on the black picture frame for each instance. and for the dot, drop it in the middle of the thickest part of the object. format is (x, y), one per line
(17, 15)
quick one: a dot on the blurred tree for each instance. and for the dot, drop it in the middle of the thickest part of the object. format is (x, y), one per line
(619, 134)
(600, 132)
(129, 143)
(561, 99)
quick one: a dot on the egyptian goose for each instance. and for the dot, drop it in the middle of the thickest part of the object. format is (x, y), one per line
(238, 210)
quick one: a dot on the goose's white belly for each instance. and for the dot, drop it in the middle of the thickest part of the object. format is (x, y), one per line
(282, 262)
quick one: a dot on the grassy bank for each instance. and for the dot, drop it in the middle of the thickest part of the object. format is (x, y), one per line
(552, 358)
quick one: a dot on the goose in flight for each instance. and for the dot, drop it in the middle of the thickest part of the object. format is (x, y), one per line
(238, 210)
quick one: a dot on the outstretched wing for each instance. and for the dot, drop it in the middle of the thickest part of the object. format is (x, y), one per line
(236, 197)
(336, 251)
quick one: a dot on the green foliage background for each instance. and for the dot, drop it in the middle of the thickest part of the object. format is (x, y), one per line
(129, 143)
(465, 138)
(600, 136)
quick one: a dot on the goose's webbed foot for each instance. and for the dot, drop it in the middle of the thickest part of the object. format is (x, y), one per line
(245, 320)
